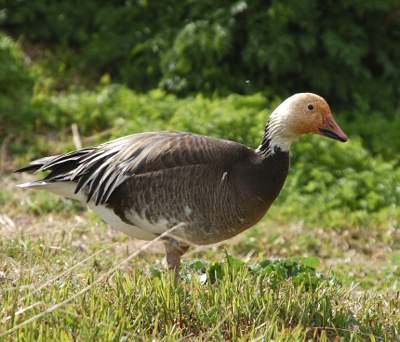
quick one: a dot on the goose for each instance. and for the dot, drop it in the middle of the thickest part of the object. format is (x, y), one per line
(208, 189)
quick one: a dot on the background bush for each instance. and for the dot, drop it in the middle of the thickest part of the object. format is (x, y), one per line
(16, 86)
(346, 51)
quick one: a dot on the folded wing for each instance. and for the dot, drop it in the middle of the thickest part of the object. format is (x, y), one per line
(99, 170)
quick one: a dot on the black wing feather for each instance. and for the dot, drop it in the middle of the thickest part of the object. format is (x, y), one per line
(100, 170)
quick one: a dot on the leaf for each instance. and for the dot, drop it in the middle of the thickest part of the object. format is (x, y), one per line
(216, 272)
(155, 272)
(311, 262)
(197, 265)
(234, 262)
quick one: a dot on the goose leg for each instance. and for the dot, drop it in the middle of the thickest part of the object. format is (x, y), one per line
(174, 250)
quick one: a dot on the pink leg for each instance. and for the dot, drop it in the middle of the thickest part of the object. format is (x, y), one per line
(174, 250)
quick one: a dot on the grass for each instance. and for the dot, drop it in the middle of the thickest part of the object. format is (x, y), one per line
(281, 280)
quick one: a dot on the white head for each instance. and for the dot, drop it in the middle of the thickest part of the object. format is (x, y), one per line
(301, 114)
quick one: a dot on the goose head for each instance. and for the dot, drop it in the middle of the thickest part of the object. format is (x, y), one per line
(301, 114)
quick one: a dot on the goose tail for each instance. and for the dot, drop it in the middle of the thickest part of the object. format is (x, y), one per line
(32, 167)
(33, 184)
(58, 181)
(36, 164)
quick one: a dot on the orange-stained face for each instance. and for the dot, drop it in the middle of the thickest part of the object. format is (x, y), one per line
(311, 114)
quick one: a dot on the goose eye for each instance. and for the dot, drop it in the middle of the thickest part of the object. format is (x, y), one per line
(310, 107)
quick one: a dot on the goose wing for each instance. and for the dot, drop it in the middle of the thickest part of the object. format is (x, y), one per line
(101, 169)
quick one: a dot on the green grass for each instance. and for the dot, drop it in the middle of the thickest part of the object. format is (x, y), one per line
(281, 280)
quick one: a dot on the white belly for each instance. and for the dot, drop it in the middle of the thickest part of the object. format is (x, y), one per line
(115, 222)
(159, 227)
(66, 189)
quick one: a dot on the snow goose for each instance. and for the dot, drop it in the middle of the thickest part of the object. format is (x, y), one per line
(211, 189)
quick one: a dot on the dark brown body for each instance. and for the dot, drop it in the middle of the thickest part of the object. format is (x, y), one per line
(214, 202)
(147, 183)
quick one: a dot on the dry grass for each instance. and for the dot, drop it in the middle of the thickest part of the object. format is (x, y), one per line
(55, 281)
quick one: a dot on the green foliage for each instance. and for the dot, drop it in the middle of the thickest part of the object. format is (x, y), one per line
(344, 50)
(278, 271)
(378, 134)
(16, 86)
(196, 59)
(300, 271)
(340, 182)
(236, 117)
